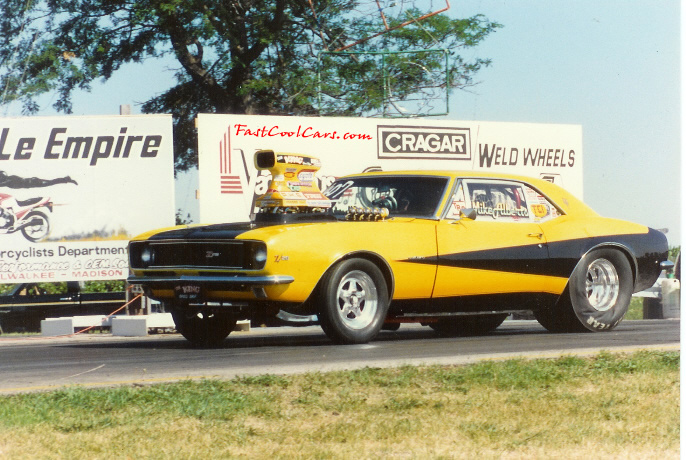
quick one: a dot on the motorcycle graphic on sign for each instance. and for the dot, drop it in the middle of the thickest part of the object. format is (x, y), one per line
(30, 216)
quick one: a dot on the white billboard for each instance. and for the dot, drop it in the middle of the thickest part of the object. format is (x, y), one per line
(74, 190)
(228, 179)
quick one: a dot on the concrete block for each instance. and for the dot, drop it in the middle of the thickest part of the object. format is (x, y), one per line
(56, 326)
(91, 321)
(243, 325)
(130, 326)
(161, 320)
(671, 298)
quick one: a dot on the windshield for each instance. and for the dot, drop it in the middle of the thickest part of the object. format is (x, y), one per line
(411, 196)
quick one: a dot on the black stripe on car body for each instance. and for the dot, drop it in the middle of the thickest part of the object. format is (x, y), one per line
(561, 257)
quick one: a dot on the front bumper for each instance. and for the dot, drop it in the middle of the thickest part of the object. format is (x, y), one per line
(200, 287)
(225, 282)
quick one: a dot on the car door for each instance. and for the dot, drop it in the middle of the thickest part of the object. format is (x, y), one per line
(498, 259)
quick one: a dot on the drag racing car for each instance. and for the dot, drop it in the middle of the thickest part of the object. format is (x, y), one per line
(456, 251)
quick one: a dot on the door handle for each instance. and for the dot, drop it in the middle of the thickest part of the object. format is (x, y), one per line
(536, 235)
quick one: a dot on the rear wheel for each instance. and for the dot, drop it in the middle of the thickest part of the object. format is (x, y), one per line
(597, 295)
(201, 327)
(354, 301)
(468, 325)
(38, 227)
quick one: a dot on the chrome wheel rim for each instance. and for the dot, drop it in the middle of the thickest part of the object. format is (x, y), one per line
(357, 300)
(602, 284)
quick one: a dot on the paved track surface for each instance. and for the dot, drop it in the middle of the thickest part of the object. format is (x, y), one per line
(33, 363)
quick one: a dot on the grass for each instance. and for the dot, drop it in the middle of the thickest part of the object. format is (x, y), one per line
(609, 406)
(635, 309)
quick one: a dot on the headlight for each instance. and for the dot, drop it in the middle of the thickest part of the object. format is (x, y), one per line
(257, 255)
(146, 256)
(141, 255)
(261, 256)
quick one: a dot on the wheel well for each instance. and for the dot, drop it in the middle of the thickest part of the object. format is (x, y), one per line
(309, 304)
(625, 251)
(379, 262)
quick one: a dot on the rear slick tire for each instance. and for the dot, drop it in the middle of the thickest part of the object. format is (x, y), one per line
(597, 296)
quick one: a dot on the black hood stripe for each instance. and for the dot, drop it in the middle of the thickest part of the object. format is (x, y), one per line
(206, 232)
(233, 230)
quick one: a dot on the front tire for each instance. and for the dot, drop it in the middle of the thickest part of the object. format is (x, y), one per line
(597, 295)
(203, 328)
(354, 301)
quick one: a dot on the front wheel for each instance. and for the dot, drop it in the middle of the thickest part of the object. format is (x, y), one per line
(353, 301)
(203, 328)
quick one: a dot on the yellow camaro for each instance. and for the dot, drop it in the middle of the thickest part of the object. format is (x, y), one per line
(457, 251)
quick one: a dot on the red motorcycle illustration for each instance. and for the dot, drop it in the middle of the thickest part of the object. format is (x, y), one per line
(28, 216)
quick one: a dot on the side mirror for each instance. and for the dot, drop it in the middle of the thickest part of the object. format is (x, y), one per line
(468, 213)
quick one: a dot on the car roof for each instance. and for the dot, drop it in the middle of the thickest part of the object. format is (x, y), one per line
(563, 199)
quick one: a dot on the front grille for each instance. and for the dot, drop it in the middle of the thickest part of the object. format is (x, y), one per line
(201, 254)
(193, 254)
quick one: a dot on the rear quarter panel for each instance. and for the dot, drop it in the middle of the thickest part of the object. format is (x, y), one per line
(570, 238)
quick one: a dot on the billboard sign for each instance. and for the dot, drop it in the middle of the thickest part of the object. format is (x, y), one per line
(74, 190)
(229, 181)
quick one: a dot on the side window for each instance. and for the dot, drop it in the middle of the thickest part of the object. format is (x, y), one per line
(457, 203)
(540, 208)
(499, 201)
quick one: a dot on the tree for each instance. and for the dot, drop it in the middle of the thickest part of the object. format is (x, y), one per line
(235, 56)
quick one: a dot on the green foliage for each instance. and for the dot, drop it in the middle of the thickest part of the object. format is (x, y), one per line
(45, 288)
(73, 409)
(104, 286)
(252, 57)
(242, 396)
(61, 288)
(584, 407)
(181, 219)
(674, 251)
(77, 409)
(635, 311)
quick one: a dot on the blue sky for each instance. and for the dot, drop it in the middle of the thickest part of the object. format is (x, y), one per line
(611, 66)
